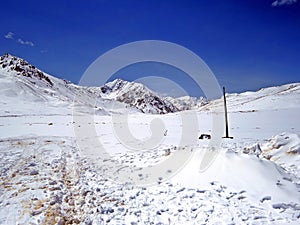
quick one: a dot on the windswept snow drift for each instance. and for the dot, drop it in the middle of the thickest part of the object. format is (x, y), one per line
(258, 177)
(284, 149)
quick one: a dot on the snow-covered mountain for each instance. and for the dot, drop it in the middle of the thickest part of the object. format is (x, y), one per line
(24, 79)
(21, 67)
(137, 95)
(148, 101)
(187, 102)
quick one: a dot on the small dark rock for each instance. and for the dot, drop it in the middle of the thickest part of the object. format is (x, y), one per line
(32, 164)
(241, 197)
(194, 209)
(110, 210)
(37, 212)
(121, 209)
(56, 188)
(279, 206)
(52, 182)
(34, 172)
(266, 198)
(180, 190)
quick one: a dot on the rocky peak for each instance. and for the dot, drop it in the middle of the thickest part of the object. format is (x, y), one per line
(137, 95)
(22, 67)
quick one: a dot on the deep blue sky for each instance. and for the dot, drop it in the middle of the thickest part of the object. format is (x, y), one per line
(248, 44)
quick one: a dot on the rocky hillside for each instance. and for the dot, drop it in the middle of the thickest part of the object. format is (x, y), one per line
(22, 67)
(139, 96)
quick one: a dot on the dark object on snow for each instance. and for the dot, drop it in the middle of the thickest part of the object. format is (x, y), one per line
(167, 152)
(166, 132)
(205, 136)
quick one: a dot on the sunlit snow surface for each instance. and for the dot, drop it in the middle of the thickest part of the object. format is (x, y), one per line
(46, 179)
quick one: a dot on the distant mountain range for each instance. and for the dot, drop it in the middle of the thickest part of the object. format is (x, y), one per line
(18, 78)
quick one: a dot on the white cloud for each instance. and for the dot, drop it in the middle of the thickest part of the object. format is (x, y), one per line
(283, 2)
(9, 35)
(20, 41)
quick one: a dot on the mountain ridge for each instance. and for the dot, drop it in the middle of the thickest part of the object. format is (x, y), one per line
(20, 76)
(132, 94)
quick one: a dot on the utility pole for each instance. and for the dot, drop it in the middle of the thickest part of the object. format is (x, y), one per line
(226, 116)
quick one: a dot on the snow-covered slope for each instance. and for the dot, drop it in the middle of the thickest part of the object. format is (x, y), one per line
(137, 95)
(30, 88)
(271, 98)
(187, 102)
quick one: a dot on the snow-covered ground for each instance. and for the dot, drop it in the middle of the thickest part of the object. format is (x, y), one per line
(47, 179)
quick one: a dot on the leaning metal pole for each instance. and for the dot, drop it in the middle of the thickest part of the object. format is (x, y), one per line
(226, 116)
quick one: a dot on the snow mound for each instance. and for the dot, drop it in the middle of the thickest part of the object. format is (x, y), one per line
(252, 150)
(259, 177)
(284, 149)
(285, 143)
